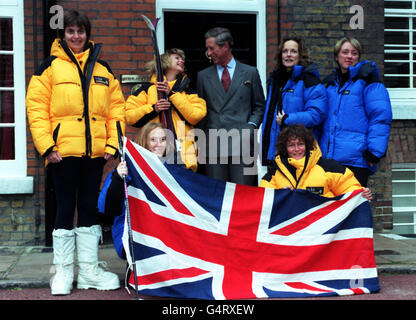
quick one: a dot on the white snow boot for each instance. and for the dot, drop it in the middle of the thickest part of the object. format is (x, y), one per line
(63, 259)
(90, 274)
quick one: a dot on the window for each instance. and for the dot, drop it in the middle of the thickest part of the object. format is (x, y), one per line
(13, 162)
(404, 198)
(400, 56)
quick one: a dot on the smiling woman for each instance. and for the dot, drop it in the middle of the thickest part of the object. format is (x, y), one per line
(299, 165)
(295, 95)
(76, 37)
(73, 110)
(182, 105)
(357, 128)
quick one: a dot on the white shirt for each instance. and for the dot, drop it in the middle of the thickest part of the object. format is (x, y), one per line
(230, 66)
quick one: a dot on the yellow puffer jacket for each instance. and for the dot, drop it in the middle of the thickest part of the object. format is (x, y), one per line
(325, 177)
(74, 103)
(187, 110)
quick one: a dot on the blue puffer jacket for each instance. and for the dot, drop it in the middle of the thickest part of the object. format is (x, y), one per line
(304, 102)
(117, 208)
(357, 129)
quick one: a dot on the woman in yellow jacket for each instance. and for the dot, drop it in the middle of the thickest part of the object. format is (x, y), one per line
(299, 165)
(186, 107)
(73, 105)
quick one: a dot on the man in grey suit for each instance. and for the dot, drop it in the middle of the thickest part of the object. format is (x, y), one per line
(235, 107)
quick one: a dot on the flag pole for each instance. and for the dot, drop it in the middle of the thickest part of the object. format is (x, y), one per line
(126, 205)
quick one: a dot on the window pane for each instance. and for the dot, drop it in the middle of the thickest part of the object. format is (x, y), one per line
(404, 188)
(403, 175)
(6, 71)
(404, 202)
(396, 82)
(6, 107)
(405, 218)
(6, 34)
(396, 23)
(396, 67)
(397, 4)
(399, 37)
(396, 56)
(7, 144)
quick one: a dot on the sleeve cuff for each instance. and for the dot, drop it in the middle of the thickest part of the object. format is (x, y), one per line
(369, 157)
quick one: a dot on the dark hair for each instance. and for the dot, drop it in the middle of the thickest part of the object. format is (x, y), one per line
(304, 59)
(295, 131)
(75, 18)
(221, 35)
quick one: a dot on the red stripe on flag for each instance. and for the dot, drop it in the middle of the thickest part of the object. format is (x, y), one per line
(304, 286)
(315, 216)
(170, 274)
(156, 181)
(242, 231)
(358, 291)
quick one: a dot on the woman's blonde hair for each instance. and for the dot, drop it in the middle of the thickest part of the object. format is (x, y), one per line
(355, 43)
(165, 60)
(143, 133)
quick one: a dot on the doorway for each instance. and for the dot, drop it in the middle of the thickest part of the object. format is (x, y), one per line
(186, 30)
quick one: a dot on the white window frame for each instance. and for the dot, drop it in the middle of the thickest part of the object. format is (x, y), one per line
(257, 7)
(13, 173)
(400, 210)
(403, 100)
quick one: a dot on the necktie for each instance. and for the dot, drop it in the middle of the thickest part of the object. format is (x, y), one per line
(225, 79)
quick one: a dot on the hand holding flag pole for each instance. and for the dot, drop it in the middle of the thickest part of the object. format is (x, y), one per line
(126, 204)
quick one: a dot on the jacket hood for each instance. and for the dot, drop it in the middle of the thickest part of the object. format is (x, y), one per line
(363, 69)
(311, 68)
(311, 160)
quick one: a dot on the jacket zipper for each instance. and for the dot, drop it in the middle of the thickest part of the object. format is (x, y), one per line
(85, 84)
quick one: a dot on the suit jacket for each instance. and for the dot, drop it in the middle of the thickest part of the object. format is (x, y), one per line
(244, 102)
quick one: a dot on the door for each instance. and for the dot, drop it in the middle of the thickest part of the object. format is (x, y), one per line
(186, 30)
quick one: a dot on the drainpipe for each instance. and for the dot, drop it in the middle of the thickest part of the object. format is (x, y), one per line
(38, 162)
(278, 23)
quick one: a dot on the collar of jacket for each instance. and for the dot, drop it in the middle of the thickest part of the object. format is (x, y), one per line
(310, 160)
(361, 70)
(299, 70)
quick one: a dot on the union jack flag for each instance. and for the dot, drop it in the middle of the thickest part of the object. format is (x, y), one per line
(196, 237)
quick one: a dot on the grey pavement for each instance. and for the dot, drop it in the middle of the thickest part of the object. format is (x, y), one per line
(31, 266)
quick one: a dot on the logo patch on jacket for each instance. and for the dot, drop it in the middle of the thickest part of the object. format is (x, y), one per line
(346, 92)
(101, 80)
(316, 190)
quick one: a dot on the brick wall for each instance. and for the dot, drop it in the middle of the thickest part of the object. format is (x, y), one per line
(322, 23)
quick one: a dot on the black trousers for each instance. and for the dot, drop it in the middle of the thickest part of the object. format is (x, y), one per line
(361, 174)
(77, 185)
(236, 172)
